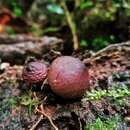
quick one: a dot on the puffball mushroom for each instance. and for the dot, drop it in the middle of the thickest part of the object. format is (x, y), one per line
(34, 72)
(68, 77)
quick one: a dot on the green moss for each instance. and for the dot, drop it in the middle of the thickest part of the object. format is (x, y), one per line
(29, 101)
(99, 124)
(116, 92)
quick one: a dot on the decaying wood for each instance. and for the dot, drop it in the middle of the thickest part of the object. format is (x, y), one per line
(111, 59)
(12, 39)
(15, 49)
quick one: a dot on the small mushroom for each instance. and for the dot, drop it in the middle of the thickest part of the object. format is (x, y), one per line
(34, 72)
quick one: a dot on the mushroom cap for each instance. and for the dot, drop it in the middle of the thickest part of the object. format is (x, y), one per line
(34, 72)
(68, 77)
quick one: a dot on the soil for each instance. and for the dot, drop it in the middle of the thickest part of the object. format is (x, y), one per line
(107, 67)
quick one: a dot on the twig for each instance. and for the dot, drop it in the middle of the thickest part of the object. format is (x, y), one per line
(119, 46)
(77, 3)
(71, 25)
(111, 47)
(58, 53)
(44, 82)
(36, 124)
(80, 125)
(41, 117)
(49, 118)
(35, 96)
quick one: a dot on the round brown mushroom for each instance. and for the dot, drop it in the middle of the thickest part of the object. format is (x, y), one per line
(68, 77)
(34, 72)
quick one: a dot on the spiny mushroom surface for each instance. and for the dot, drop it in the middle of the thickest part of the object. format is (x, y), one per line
(34, 72)
(68, 77)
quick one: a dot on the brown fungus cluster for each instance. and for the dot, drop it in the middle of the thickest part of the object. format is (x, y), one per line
(67, 76)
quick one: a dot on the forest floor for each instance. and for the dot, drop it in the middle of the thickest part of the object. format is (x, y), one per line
(25, 106)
